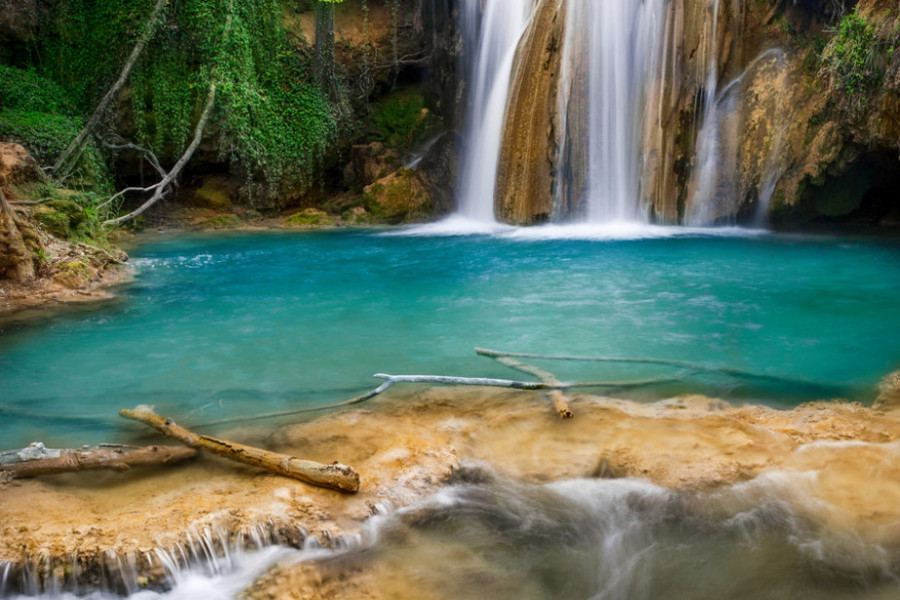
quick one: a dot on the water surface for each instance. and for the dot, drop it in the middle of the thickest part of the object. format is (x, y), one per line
(223, 325)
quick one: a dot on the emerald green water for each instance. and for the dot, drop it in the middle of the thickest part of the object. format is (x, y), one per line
(225, 325)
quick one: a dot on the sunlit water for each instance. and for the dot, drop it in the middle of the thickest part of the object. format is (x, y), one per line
(216, 326)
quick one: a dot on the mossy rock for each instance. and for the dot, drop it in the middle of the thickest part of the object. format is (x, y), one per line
(310, 217)
(74, 273)
(214, 194)
(398, 197)
(64, 219)
(221, 222)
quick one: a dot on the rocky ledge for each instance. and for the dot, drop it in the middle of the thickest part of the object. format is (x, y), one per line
(407, 447)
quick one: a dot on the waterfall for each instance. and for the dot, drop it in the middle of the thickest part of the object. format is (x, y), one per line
(491, 36)
(616, 110)
(612, 52)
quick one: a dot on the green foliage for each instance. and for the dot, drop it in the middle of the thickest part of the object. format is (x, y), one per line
(268, 115)
(70, 215)
(854, 59)
(26, 90)
(37, 113)
(221, 222)
(401, 119)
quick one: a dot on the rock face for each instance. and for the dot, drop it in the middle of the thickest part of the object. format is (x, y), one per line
(527, 168)
(747, 117)
(17, 167)
(401, 196)
(438, 170)
(19, 244)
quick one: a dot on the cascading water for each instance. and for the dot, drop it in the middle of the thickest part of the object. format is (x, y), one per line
(705, 173)
(611, 52)
(493, 33)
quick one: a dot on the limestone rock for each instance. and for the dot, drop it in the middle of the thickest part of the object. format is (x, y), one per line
(369, 163)
(888, 392)
(17, 166)
(527, 166)
(401, 196)
(438, 172)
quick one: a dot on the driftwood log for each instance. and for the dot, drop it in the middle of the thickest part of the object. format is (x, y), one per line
(37, 460)
(557, 398)
(334, 476)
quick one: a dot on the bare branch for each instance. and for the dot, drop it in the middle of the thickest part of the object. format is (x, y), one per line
(66, 161)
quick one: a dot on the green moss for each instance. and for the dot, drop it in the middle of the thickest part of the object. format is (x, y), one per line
(401, 119)
(213, 196)
(26, 90)
(37, 114)
(221, 222)
(397, 198)
(269, 115)
(309, 217)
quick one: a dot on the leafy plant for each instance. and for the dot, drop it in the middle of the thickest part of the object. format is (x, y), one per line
(401, 119)
(854, 59)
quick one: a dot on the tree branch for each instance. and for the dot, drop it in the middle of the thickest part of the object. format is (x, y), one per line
(66, 161)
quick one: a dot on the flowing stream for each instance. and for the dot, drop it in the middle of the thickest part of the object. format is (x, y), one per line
(580, 539)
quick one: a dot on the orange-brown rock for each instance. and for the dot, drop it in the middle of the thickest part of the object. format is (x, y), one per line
(527, 167)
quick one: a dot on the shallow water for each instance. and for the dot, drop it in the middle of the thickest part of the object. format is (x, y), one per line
(222, 325)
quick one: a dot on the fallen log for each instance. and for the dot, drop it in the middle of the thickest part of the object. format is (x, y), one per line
(559, 400)
(334, 476)
(36, 460)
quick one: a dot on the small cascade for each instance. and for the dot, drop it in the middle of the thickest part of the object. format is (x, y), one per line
(208, 552)
(729, 169)
(611, 54)
(492, 34)
(705, 175)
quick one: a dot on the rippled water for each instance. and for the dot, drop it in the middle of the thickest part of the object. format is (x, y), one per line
(223, 325)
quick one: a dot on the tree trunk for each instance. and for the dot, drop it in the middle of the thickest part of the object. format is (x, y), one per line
(31, 463)
(69, 157)
(15, 260)
(334, 476)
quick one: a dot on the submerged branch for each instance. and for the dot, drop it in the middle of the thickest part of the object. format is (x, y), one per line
(299, 411)
(695, 367)
(559, 400)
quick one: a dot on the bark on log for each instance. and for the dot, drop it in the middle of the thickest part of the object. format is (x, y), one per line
(51, 462)
(334, 476)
